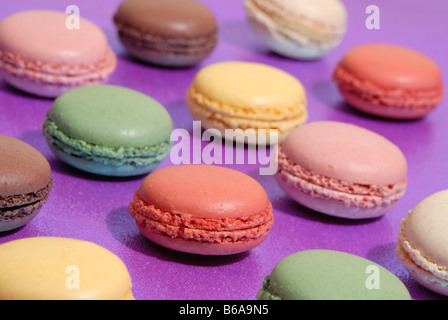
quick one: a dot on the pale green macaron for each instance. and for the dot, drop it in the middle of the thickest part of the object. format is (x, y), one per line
(330, 275)
(108, 130)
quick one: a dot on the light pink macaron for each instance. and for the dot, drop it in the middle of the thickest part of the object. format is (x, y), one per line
(341, 170)
(202, 209)
(44, 53)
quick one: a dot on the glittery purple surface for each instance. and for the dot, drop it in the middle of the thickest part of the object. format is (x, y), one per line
(94, 208)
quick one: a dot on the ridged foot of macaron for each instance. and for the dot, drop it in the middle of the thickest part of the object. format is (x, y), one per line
(341, 170)
(168, 33)
(25, 183)
(202, 209)
(32, 61)
(421, 243)
(389, 81)
(108, 130)
(300, 29)
(247, 102)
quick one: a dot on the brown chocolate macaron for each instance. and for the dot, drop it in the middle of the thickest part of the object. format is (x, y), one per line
(170, 33)
(25, 182)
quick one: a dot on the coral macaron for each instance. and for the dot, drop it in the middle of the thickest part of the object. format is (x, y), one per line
(202, 209)
(389, 81)
(342, 170)
(41, 55)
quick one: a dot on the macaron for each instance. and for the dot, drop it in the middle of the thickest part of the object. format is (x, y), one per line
(108, 130)
(330, 275)
(422, 239)
(298, 29)
(56, 268)
(342, 170)
(389, 81)
(202, 209)
(249, 102)
(25, 182)
(170, 33)
(44, 55)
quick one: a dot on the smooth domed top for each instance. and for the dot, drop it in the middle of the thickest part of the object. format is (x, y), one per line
(346, 152)
(249, 85)
(204, 191)
(23, 169)
(391, 66)
(177, 17)
(43, 36)
(113, 116)
(54, 268)
(333, 275)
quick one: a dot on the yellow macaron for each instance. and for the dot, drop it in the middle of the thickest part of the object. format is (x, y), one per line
(256, 98)
(54, 268)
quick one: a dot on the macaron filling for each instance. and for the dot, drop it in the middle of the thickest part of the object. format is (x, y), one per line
(364, 195)
(17, 206)
(191, 228)
(140, 156)
(156, 43)
(423, 99)
(59, 74)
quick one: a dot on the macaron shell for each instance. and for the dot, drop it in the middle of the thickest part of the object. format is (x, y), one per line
(169, 17)
(111, 116)
(249, 85)
(332, 275)
(391, 66)
(45, 268)
(23, 169)
(204, 191)
(346, 152)
(42, 35)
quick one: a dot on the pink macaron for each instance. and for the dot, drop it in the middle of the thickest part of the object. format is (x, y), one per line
(341, 169)
(44, 53)
(389, 81)
(202, 209)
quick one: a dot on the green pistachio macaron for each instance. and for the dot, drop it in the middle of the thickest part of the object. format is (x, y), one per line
(108, 130)
(330, 275)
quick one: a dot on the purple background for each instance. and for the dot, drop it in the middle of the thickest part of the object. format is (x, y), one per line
(94, 208)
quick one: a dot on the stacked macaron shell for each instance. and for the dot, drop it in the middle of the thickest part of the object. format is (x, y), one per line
(25, 182)
(108, 130)
(40, 55)
(202, 209)
(389, 81)
(422, 242)
(330, 275)
(341, 170)
(173, 33)
(263, 102)
(56, 268)
(298, 29)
